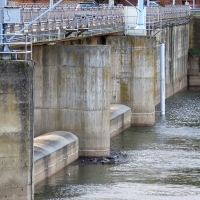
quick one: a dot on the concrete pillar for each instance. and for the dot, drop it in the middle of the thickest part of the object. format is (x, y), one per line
(72, 93)
(16, 130)
(133, 76)
(85, 96)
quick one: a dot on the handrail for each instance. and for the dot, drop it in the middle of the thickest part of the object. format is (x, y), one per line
(36, 19)
(27, 41)
(62, 18)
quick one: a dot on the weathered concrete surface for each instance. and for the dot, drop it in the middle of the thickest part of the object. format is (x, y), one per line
(72, 93)
(194, 39)
(52, 152)
(194, 71)
(133, 76)
(16, 130)
(176, 39)
(120, 119)
(194, 53)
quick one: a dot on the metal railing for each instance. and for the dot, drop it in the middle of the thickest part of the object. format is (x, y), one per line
(19, 48)
(64, 20)
(157, 17)
(168, 12)
(61, 18)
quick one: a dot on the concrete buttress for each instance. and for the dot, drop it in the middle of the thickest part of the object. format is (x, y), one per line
(73, 94)
(133, 65)
(16, 130)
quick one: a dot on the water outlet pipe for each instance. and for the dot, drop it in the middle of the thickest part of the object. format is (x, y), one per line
(162, 79)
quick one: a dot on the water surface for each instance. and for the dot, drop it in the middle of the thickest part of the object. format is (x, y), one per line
(163, 161)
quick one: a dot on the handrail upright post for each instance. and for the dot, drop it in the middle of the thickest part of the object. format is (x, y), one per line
(25, 47)
(31, 47)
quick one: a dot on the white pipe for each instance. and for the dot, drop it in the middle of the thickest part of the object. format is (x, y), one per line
(51, 3)
(140, 24)
(162, 79)
(36, 19)
(174, 2)
(111, 2)
(5, 2)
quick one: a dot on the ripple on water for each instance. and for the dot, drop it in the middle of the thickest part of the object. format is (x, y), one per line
(163, 161)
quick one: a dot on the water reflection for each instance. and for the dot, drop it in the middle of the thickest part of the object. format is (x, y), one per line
(163, 161)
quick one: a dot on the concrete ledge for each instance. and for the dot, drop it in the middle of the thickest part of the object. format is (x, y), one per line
(143, 119)
(120, 118)
(52, 152)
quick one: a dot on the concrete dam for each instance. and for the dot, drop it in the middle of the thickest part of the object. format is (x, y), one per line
(76, 95)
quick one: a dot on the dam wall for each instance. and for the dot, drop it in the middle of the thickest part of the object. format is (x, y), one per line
(16, 130)
(194, 54)
(176, 40)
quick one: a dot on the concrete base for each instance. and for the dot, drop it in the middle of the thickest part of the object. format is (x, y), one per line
(194, 81)
(143, 119)
(120, 119)
(193, 71)
(52, 152)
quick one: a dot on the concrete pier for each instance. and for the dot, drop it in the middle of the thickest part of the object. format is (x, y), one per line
(16, 130)
(72, 93)
(133, 76)
(176, 40)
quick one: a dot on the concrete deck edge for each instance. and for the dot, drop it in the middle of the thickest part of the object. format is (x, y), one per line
(52, 152)
(120, 119)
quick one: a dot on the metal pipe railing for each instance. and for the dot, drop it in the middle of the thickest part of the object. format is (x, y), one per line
(20, 41)
(63, 16)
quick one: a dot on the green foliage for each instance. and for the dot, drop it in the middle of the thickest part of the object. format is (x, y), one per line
(194, 52)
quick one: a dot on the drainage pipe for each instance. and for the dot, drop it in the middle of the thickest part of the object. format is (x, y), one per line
(162, 79)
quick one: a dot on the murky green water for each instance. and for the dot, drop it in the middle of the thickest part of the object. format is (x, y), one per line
(163, 162)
